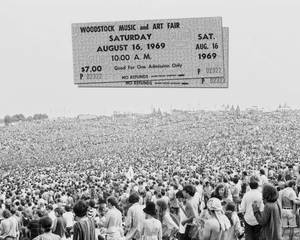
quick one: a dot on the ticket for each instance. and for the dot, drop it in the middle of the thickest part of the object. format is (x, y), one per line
(147, 50)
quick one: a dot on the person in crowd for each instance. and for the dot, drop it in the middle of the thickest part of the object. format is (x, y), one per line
(34, 225)
(270, 218)
(217, 224)
(221, 192)
(151, 227)
(113, 221)
(252, 227)
(235, 231)
(191, 209)
(289, 201)
(263, 177)
(9, 226)
(135, 217)
(68, 217)
(51, 213)
(84, 227)
(236, 191)
(59, 225)
(92, 211)
(169, 227)
(46, 225)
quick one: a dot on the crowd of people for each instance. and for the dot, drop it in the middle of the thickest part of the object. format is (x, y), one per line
(185, 175)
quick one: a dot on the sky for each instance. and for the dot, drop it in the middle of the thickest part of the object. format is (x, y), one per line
(36, 64)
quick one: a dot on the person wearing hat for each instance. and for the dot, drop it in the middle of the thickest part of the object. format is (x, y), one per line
(252, 227)
(151, 228)
(217, 224)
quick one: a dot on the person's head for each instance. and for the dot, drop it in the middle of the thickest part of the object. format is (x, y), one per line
(262, 172)
(150, 209)
(49, 207)
(6, 213)
(133, 198)
(188, 191)
(254, 182)
(291, 184)
(58, 211)
(269, 193)
(46, 223)
(235, 179)
(68, 208)
(92, 203)
(80, 208)
(213, 205)
(112, 202)
(102, 205)
(221, 191)
(179, 196)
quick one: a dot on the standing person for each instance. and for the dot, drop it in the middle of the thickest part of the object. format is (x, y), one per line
(263, 177)
(270, 218)
(288, 201)
(217, 224)
(16, 222)
(235, 231)
(69, 219)
(84, 228)
(191, 210)
(252, 228)
(46, 223)
(181, 214)
(113, 220)
(135, 217)
(59, 225)
(8, 226)
(235, 192)
(151, 227)
(34, 225)
(169, 227)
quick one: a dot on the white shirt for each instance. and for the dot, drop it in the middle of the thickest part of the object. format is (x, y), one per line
(69, 218)
(113, 220)
(263, 179)
(246, 205)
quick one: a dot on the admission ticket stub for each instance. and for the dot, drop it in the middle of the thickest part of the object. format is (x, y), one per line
(207, 82)
(148, 50)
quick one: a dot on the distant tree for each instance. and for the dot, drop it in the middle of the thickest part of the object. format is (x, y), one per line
(18, 117)
(29, 118)
(7, 120)
(40, 116)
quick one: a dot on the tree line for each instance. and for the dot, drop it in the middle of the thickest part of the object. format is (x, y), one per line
(21, 118)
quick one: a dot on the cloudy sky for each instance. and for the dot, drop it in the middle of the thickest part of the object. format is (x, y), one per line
(36, 56)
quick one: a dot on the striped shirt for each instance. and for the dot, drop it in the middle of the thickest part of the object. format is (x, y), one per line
(84, 229)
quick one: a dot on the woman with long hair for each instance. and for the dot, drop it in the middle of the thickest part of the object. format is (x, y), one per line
(169, 227)
(270, 218)
(221, 192)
